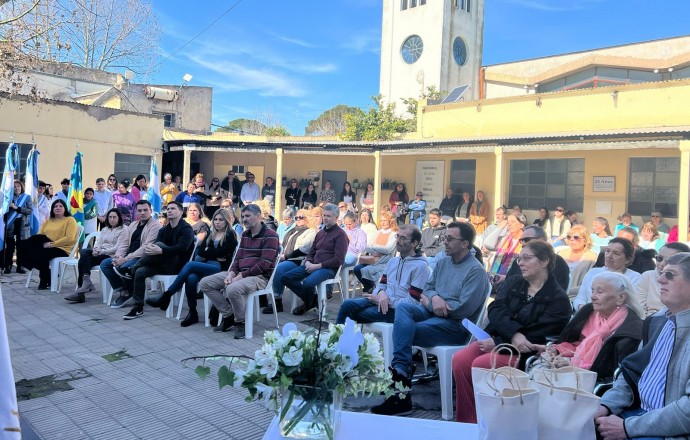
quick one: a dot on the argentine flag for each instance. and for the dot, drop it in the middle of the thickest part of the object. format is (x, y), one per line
(75, 196)
(31, 185)
(154, 191)
(7, 190)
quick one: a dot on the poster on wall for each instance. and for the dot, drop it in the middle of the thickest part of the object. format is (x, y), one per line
(429, 180)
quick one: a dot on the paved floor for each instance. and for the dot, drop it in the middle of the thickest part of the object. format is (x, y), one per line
(147, 394)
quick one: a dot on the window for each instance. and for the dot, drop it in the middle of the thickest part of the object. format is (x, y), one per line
(547, 182)
(23, 150)
(413, 3)
(463, 4)
(412, 49)
(422, 2)
(468, 7)
(168, 119)
(128, 166)
(654, 185)
(403, 5)
(462, 176)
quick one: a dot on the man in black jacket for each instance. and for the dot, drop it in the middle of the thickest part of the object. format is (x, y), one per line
(166, 256)
(232, 184)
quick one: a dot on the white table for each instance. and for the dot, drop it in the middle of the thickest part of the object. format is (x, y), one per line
(368, 426)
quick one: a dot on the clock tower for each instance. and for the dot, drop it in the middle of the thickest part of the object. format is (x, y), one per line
(430, 43)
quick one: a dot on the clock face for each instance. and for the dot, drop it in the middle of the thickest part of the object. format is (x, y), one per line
(412, 49)
(459, 51)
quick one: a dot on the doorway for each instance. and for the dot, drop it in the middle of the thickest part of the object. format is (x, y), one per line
(337, 178)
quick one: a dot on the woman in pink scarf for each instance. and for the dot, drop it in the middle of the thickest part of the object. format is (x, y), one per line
(603, 332)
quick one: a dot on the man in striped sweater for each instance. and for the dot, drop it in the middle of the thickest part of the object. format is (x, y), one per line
(250, 271)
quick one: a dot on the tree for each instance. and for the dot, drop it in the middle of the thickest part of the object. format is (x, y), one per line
(277, 131)
(378, 123)
(97, 34)
(412, 103)
(244, 126)
(329, 123)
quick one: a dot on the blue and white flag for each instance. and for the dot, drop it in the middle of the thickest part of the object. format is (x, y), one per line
(31, 186)
(7, 189)
(154, 191)
(9, 411)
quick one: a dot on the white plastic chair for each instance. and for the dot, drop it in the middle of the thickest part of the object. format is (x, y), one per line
(252, 303)
(54, 264)
(207, 303)
(322, 294)
(386, 330)
(164, 282)
(74, 262)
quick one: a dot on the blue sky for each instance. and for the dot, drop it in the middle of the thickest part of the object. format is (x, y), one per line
(288, 61)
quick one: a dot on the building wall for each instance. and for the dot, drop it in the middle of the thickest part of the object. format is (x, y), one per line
(437, 23)
(58, 127)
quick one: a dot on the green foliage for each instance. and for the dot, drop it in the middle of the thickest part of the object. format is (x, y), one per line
(378, 123)
(246, 126)
(411, 104)
(331, 122)
(226, 377)
(278, 130)
(202, 371)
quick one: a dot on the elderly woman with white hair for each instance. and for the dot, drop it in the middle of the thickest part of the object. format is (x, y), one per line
(604, 331)
(287, 223)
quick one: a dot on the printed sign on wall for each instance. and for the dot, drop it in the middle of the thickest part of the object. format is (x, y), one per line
(429, 180)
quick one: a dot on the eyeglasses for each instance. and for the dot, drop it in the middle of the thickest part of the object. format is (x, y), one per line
(525, 258)
(402, 237)
(658, 258)
(573, 237)
(214, 180)
(560, 209)
(449, 238)
(527, 239)
(655, 216)
(300, 217)
(111, 179)
(668, 275)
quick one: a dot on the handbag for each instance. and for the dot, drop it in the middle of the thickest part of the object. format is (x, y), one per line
(505, 401)
(565, 412)
(368, 259)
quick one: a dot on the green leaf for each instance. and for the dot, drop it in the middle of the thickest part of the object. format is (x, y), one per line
(226, 377)
(202, 371)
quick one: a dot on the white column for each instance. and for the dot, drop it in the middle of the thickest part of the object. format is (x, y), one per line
(186, 166)
(684, 191)
(498, 178)
(377, 185)
(278, 201)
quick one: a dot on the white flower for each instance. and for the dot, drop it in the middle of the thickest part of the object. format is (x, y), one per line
(239, 377)
(269, 395)
(264, 353)
(349, 342)
(293, 357)
(373, 346)
(288, 328)
(270, 368)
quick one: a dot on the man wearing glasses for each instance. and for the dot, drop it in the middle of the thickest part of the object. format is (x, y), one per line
(250, 190)
(650, 399)
(456, 290)
(402, 282)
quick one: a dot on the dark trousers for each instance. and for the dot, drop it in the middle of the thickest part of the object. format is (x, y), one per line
(367, 285)
(37, 257)
(147, 267)
(12, 242)
(86, 261)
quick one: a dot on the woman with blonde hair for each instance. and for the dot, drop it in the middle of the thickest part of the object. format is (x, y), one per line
(213, 254)
(579, 247)
(650, 237)
(316, 217)
(376, 256)
(197, 220)
(601, 234)
(296, 245)
(479, 213)
(268, 219)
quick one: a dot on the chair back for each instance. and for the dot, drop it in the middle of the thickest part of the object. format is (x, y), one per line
(73, 252)
(91, 237)
(269, 285)
(196, 243)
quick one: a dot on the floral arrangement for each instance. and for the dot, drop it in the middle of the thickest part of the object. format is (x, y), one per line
(340, 360)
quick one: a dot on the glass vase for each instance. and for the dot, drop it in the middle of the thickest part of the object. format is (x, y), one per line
(308, 412)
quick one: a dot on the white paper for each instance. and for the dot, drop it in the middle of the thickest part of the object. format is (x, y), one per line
(476, 331)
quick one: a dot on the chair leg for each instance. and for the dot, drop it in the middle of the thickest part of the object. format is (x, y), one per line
(323, 303)
(249, 316)
(183, 296)
(28, 277)
(275, 312)
(62, 268)
(54, 276)
(207, 310)
(387, 336)
(445, 373)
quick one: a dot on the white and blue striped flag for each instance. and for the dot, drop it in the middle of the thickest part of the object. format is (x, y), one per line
(154, 191)
(31, 185)
(7, 189)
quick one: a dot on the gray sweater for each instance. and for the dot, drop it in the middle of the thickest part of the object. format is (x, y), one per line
(464, 286)
(404, 279)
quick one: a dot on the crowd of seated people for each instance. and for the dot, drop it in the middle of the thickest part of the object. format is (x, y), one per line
(587, 290)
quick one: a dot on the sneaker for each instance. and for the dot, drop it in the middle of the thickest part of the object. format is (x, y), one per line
(121, 301)
(136, 312)
(225, 325)
(239, 330)
(123, 272)
(394, 406)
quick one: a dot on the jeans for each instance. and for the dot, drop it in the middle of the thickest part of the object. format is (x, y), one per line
(367, 285)
(363, 311)
(304, 284)
(415, 325)
(281, 269)
(190, 275)
(114, 279)
(350, 259)
(417, 220)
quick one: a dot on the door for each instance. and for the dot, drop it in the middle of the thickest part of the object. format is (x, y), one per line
(337, 178)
